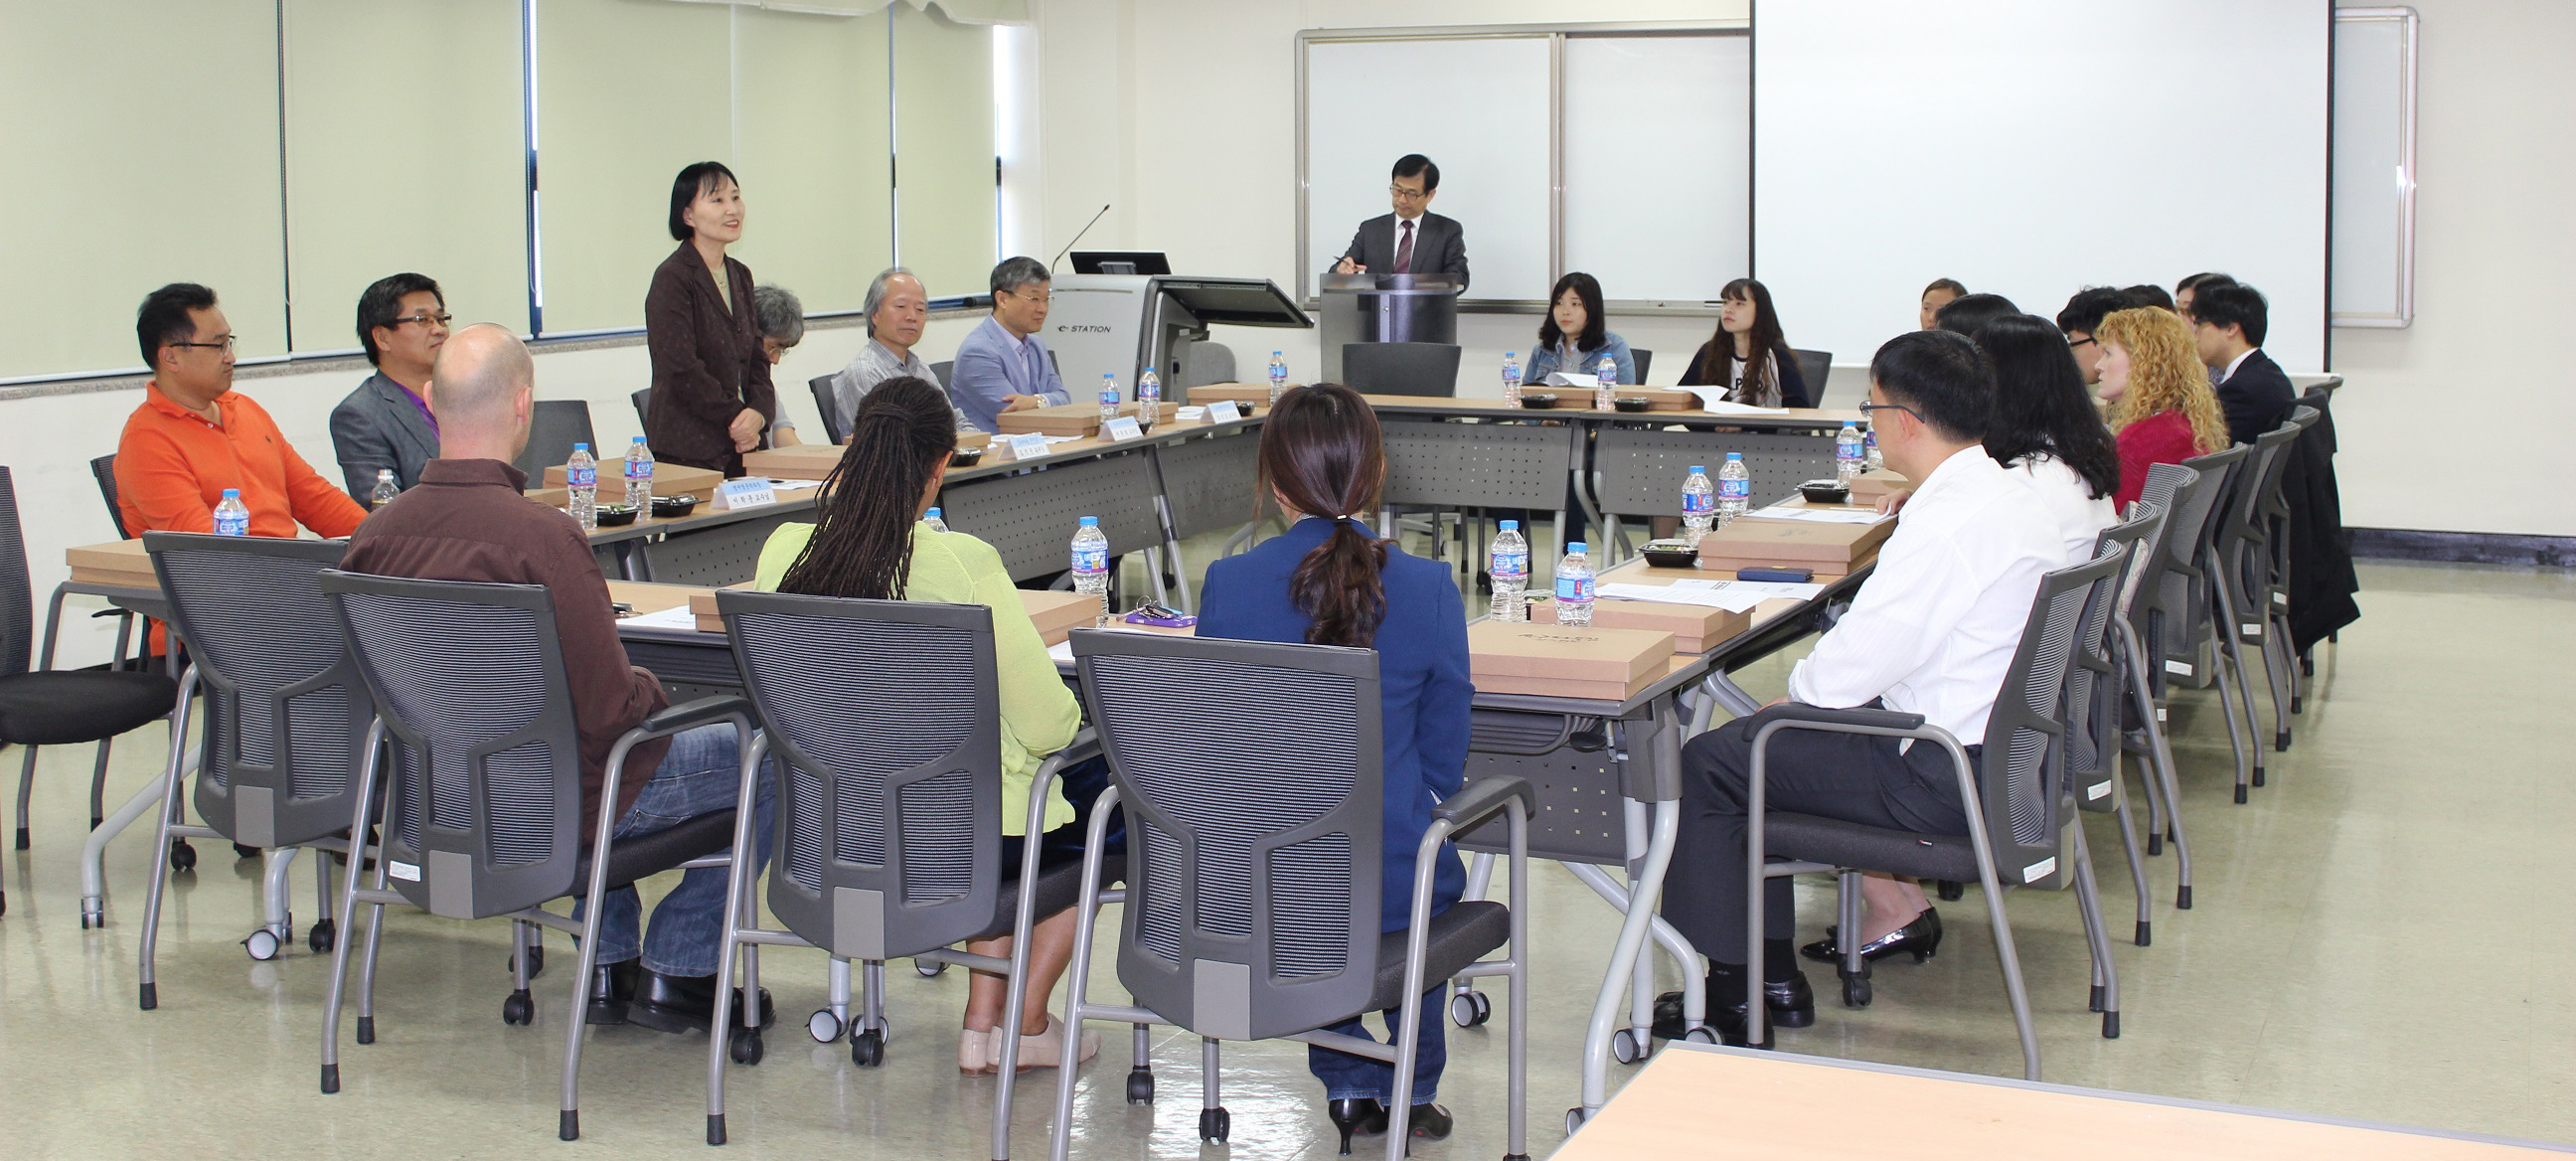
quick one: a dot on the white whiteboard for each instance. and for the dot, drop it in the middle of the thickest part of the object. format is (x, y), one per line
(2033, 147)
(2374, 167)
(1477, 107)
(1658, 140)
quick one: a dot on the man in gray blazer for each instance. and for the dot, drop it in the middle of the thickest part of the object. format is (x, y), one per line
(385, 423)
(1412, 240)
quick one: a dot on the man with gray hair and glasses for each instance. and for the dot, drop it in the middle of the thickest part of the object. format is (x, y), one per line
(897, 308)
(1002, 366)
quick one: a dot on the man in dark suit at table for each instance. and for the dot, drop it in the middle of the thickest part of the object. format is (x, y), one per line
(2228, 322)
(385, 424)
(1412, 240)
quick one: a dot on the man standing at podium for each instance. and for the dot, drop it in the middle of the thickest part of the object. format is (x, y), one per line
(1412, 240)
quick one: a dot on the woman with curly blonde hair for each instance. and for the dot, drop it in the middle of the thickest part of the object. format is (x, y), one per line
(2162, 410)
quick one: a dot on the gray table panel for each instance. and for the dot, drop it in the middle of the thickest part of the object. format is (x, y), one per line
(1640, 472)
(1030, 518)
(1478, 465)
(1209, 482)
(715, 555)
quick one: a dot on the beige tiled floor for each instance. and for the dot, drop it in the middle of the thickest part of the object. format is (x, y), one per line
(2377, 936)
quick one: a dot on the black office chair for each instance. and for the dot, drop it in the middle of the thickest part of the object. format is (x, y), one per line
(1401, 368)
(942, 370)
(557, 425)
(104, 467)
(1643, 358)
(827, 403)
(644, 407)
(58, 707)
(1814, 367)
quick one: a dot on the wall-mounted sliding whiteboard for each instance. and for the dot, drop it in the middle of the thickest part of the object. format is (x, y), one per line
(1620, 150)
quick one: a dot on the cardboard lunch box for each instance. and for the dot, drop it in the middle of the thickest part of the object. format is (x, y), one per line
(1757, 543)
(805, 461)
(1250, 395)
(1602, 663)
(668, 479)
(1872, 486)
(1056, 614)
(1695, 629)
(1075, 419)
(117, 562)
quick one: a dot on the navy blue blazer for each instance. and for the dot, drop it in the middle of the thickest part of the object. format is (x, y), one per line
(1422, 685)
(2256, 398)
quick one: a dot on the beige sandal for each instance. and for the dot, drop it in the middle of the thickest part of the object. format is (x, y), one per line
(1044, 1050)
(977, 1051)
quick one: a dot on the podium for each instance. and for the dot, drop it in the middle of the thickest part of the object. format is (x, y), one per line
(1123, 323)
(1385, 308)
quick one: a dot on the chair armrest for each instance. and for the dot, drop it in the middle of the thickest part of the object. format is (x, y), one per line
(1821, 716)
(691, 714)
(1085, 745)
(1483, 798)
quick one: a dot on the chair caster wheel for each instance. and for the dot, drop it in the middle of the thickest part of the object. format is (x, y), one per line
(1952, 892)
(183, 858)
(1140, 1086)
(262, 944)
(324, 935)
(1469, 1009)
(929, 971)
(1700, 1035)
(519, 1009)
(1214, 1124)
(1857, 992)
(867, 1049)
(746, 1047)
(1626, 1046)
(243, 852)
(823, 1026)
(1573, 1121)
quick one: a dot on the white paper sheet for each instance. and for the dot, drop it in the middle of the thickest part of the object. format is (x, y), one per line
(1823, 515)
(1732, 596)
(1570, 379)
(672, 618)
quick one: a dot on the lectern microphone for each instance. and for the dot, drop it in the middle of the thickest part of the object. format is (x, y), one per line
(1077, 236)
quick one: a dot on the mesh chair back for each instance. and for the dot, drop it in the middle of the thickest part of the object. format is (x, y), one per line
(940, 371)
(2022, 777)
(104, 467)
(1251, 774)
(552, 430)
(643, 406)
(2276, 499)
(886, 722)
(2181, 595)
(1401, 368)
(17, 601)
(1204, 362)
(483, 794)
(1643, 358)
(2093, 679)
(828, 404)
(285, 710)
(1814, 366)
(2254, 486)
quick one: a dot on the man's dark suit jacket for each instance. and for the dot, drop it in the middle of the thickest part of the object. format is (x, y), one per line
(377, 427)
(1439, 246)
(2256, 398)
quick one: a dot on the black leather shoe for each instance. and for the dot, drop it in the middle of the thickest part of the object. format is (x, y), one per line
(1920, 938)
(678, 1004)
(1790, 1002)
(1363, 1116)
(1430, 1122)
(612, 989)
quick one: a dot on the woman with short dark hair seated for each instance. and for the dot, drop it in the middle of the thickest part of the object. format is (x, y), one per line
(1329, 581)
(1576, 334)
(870, 542)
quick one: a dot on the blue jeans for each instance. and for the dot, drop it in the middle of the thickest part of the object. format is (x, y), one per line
(1348, 1077)
(701, 774)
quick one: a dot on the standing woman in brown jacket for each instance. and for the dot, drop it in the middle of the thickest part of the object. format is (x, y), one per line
(712, 399)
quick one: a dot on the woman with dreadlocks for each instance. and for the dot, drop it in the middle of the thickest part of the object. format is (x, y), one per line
(870, 542)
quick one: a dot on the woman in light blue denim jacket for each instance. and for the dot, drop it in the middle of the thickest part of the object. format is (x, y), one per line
(1576, 336)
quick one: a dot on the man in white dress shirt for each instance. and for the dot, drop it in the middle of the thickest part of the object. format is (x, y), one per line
(1931, 632)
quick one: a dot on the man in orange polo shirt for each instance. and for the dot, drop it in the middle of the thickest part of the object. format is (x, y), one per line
(193, 437)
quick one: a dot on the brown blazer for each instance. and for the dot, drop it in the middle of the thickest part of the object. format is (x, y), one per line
(707, 363)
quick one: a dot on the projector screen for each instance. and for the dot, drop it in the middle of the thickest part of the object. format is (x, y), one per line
(2033, 147)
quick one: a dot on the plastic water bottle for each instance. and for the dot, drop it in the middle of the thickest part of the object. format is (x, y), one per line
(231, 518)
(1574, 587)
(1734, 489)
(1508, 565)
(1108, 398)
(1850, 452)
(1149, 399)
(1511, 379)
(1605, 396)
(1091, 567)
(1699, 505)
(581, 478)
(932, 518)
(1278, 376)
(1869, 453)
(639, 477)
(386, 489)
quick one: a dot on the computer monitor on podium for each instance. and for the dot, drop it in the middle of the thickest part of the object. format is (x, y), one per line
(1121, 262)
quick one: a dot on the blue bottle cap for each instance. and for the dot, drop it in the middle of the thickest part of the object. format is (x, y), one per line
(1698, 468)
(933, 513)
(581, 447)
(1511, 525)
(1735, 455)
(639, 439)
(232, 493)
(1577, 546)
(1090, 521)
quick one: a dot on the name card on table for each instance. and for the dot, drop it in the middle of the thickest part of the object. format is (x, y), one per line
(747, 492)
(1123, 427)
(1028, 446)
(1224, 411)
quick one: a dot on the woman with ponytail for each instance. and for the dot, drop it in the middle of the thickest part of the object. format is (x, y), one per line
(870, 542)
(1330, 581)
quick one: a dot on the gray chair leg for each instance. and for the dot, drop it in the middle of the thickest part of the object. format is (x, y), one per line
(26, 790)
(2129, 845)
(2160, 765)
(2106, 974)
(2230, 660)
